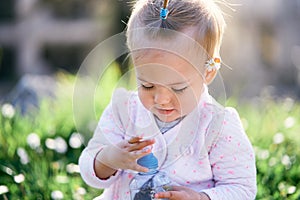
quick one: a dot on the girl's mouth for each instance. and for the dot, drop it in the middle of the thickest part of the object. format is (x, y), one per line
(165, 111)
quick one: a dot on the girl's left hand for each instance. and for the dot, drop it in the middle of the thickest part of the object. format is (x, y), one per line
(180, 192)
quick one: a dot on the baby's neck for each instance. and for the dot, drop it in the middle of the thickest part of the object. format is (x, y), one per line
(165, 126)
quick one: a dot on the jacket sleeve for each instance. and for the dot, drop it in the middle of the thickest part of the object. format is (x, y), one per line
(232, 161)
(109, 131)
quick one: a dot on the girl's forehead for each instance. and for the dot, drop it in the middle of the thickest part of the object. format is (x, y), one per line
(148, 56)
(167, 61)
(195, 57)
(164, 68)
(145, 56)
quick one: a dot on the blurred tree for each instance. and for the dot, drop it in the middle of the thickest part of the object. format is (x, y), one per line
(47, 26)
(6, 54)
(6, 10)
(122, 15)
(6, 59)
(76, 9)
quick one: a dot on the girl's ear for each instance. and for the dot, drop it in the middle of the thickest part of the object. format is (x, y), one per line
(211, 68)
(210, 75)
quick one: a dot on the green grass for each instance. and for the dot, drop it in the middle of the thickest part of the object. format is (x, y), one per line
(42, 170)
(45, 168)
(273, 128)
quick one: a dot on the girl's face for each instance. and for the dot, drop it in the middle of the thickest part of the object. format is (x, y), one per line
(168, 86)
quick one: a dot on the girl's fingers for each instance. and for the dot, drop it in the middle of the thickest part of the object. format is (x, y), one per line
(139, 168)
(140, 145)
(134, 140)
(138, 154)
(168, 195)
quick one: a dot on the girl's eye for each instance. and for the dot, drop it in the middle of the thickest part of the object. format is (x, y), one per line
(179, 90)
(147, 87)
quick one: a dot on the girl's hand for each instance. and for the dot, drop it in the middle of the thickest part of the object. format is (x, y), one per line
(180, 192)
(124, 154)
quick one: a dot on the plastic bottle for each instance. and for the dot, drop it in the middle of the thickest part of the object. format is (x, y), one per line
(145, 185)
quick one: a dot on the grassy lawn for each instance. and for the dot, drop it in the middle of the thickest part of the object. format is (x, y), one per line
(39, 152)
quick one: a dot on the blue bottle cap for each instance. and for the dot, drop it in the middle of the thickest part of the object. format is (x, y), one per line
(149, 161)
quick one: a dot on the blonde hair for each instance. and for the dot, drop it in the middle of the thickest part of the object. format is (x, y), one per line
(203, 17)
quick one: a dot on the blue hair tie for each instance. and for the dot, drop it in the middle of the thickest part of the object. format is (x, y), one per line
(163, 13)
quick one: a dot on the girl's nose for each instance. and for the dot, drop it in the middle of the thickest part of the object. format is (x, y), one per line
(162, 95)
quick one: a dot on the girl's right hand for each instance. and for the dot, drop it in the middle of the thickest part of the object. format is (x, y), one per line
(125, 154)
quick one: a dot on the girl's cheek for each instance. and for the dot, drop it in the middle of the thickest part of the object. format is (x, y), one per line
(145, 99)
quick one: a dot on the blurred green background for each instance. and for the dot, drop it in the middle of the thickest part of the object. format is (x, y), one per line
(43, 44)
